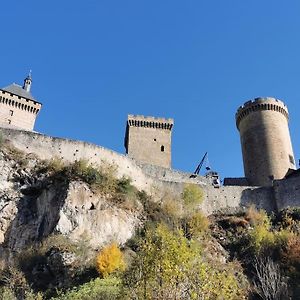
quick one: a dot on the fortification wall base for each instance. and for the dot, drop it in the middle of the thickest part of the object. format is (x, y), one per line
(157, 181)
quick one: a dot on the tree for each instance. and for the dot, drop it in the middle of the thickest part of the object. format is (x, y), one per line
(109, 260)
(161, 265)
(169, 266)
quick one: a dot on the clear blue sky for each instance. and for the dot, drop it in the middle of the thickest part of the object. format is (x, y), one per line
(93, 62)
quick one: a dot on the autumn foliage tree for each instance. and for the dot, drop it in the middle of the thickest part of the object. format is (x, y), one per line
(170, 266)
(109, 260)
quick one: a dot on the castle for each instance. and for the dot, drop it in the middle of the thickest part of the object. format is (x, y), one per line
(18, 108)
(271, 181)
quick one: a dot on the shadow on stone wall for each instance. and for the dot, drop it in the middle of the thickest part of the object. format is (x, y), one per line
(38, 212)
(261, 197)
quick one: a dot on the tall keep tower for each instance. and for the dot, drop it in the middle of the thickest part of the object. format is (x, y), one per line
(265, 140)
(148, 140)
(18, 108)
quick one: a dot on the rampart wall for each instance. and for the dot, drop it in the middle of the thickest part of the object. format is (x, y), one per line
(156, 180)
(287, 192)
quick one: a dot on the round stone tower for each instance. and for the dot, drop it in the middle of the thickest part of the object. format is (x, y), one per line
(265, 140)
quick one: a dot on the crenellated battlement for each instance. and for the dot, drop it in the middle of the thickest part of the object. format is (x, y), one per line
(259, 104)
(150, 122)
(18, 102)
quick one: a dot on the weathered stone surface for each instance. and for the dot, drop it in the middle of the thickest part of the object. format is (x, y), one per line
(94, 218)
(265, 140)
(33, 207)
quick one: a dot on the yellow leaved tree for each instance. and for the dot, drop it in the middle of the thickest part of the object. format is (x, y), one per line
(109, 260)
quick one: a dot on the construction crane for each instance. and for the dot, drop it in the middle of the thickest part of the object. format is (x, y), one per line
(198, 169)
(211, 175)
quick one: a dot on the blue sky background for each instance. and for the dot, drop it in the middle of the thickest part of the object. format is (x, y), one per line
(93, 62)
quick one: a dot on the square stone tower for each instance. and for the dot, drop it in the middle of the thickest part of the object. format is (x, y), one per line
(18, 108)
(148, 140)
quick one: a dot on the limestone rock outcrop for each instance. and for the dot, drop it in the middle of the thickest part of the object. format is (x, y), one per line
(34, 206)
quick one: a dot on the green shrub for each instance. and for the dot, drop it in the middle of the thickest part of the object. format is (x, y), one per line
(169, 266)
(54, 165)
(98, 289)
(126, 194)
(264, 239)
(7, 294)
(198, 225)
(124, 186)
(210, 282)
(14, 283)
(192, 196)
(261, 238)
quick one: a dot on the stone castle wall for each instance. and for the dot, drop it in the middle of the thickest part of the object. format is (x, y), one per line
(156, 181)
(16, 111)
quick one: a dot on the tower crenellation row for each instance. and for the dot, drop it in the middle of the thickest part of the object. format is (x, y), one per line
(266, 103)
(150, 122)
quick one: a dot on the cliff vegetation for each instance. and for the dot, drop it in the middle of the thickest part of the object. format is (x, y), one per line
(77, 231)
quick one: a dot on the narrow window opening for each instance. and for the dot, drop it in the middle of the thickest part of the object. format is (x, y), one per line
(154, 140)
(9, 121)
(162, 148)
(11, 112)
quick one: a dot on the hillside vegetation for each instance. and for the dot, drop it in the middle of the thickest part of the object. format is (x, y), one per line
(176, 252)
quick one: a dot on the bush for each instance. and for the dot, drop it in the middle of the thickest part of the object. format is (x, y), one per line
(192, 196)
(291, 257)
(268, 282)
(198, 225)
(265, 240)
(98, 289)
(209, 282)
(161, 264)
(53, 165)
(109, 260)
(169, 266)
(14, 283)
(126, 194)
(256, 217)
(262, 239)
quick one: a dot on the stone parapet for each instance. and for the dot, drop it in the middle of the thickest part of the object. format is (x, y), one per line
(258, 104)
(149, 122)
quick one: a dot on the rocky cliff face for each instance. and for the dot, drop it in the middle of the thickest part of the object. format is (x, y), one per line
(34, 205)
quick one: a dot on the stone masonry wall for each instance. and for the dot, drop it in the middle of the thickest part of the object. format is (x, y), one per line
(154, 180)
(287, 192)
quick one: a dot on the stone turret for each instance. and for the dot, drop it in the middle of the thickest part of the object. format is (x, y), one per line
(148, 140)
(265, 140)
(27, 83)
(18, 108)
